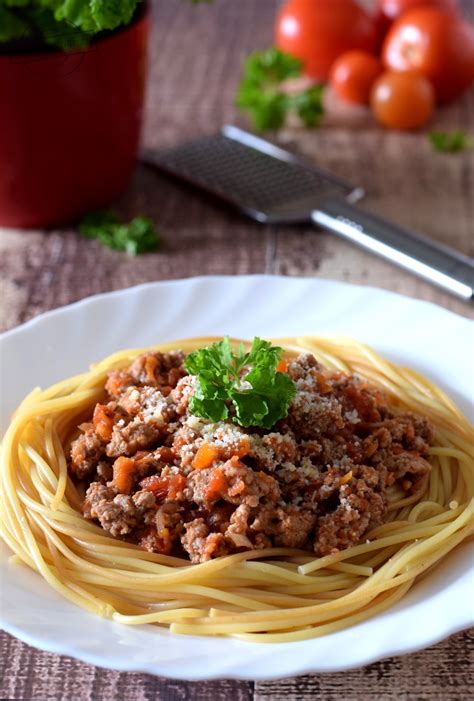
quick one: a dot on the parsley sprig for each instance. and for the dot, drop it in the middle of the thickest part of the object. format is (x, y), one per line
(137, 236)
(261, 91)
(451, 141)
(248, 385)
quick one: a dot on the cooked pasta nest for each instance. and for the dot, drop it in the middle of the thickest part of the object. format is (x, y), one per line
(272, 595)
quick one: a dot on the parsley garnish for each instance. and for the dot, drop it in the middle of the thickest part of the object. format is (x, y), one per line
(261, 91)
(451, 141)
(249, 383)
(138, 236)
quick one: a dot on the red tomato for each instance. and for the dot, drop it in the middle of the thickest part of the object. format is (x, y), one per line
(402, 100)
(353, 75)
(392, 9)
(435, 43)
(318, 31)
(389, 10)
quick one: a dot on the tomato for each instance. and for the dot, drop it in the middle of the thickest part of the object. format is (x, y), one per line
(437, 44)
(353, 75)
(318, 31)
(402, 100)
(392, 9)
(389, 10)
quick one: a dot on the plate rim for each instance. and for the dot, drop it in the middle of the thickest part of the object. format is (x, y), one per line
(156, 668)
(57, 311)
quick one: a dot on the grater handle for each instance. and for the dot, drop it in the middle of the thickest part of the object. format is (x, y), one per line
(439, 264)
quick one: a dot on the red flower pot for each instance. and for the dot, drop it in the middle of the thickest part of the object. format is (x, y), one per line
(70, 127)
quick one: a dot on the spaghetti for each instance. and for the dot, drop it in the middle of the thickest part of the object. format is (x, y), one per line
(270, 595)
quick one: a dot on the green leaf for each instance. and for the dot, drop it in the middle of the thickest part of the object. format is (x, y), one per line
(138, 236)
(12, 26)
(247, 382)
(109, 14)
(62, 35)
(65, 24)
(261, 91)
(451, 141)
(309, 105)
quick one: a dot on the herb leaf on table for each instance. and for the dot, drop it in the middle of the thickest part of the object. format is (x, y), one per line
(263, 94)
(137, 236)
(451, 141)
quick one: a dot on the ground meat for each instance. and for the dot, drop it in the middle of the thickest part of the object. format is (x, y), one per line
(168, 516)
(289, 526)
(200, 544)
(86, 451)
(346, 525)
(136, 435)
(118, 382)
(119, 514)
(182, 393)
(165, 529)
(317, 481)
(146, 402)
(238, 527)
(282, 448)
(158, 369)
(105, 472)
(412, 467)
(413, 432)
(236, 484)
(294, 527)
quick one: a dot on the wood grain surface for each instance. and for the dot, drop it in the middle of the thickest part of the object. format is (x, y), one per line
(195, 60)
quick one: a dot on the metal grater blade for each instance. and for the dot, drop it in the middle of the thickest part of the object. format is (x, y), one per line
(262, 180)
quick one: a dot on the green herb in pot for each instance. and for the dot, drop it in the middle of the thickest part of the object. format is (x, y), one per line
(64, 24)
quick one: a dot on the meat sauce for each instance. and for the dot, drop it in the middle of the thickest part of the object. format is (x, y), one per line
(174, 483)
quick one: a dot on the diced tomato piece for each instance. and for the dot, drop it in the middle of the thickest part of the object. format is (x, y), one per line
(117, 381)
(176, 485)
(124, 470)
(151, 362)
(205, 456)
(243, 448)
(217, 484)
(166, 454)
(323, 385)
(282, 366)
(169, 486)
(103, 421)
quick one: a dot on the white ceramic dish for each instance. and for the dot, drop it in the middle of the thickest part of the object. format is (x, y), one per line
(64, 342)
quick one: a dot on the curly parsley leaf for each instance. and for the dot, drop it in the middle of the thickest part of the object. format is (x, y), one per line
(309, 105)
(248, 383)
(262, 93)
(64, 24)
(451, 141)
(138, 236)
(12, 26)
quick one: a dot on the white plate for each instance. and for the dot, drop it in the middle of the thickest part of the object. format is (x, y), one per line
(64, 342)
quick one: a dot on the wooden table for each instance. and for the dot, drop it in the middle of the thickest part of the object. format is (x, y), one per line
(195, 59)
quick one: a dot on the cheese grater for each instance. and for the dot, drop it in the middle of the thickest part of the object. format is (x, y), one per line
(273, 186)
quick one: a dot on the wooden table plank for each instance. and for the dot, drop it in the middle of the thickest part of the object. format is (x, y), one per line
(196, 55)
(443, 672)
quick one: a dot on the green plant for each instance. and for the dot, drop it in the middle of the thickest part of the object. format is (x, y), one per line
(64, 24)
